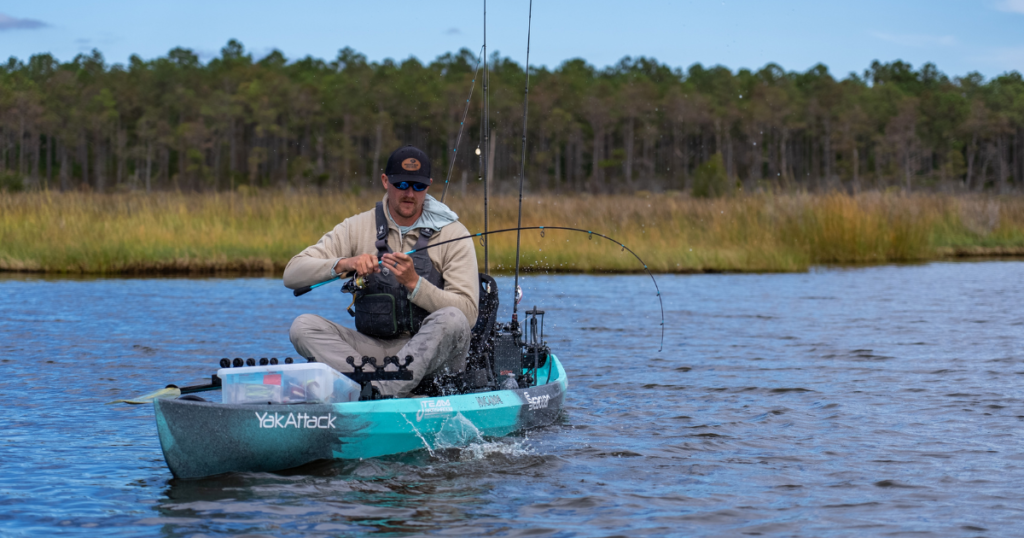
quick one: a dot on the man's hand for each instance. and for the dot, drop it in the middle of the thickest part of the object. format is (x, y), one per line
(362, 264)
(401, 265)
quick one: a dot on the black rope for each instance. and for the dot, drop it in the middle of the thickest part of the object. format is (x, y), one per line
(462, 124)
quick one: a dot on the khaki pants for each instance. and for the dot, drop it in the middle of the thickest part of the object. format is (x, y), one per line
(441, 344)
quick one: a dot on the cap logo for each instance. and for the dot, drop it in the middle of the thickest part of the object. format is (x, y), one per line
(411, 164)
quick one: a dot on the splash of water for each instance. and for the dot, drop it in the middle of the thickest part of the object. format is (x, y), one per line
(459, 436)
(506, 447)
(426, 444)
(457, 431)
(460, 433)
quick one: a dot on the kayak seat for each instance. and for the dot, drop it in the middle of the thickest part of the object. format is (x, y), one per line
(480, 348)
(488, 314)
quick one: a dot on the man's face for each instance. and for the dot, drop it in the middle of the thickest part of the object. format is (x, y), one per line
(406, 204)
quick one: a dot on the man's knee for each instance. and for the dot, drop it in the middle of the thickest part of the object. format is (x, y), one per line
(302, 325)
(451, 318)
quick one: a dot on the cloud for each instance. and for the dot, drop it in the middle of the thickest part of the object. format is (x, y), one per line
(8, 22)
(1013, 6)
(917, 40)
(452, 31)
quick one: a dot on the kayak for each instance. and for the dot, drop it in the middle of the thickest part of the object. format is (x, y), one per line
(203, 438)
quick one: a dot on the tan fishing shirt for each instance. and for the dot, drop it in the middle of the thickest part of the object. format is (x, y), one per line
(356, 235)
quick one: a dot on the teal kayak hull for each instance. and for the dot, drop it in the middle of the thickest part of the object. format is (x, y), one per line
(207, 438)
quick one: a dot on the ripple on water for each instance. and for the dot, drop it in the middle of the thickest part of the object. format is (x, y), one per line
(880, 400)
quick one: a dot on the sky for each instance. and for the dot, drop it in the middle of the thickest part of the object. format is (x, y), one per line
(959, 36)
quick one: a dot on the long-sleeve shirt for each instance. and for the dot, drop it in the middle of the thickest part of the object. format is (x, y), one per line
(356, 235)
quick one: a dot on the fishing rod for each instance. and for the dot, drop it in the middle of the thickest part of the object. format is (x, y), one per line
(462, 124)
(485, 101)
(306, 289)
(522, 170)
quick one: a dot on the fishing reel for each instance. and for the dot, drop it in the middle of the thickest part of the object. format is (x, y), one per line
(353, 285)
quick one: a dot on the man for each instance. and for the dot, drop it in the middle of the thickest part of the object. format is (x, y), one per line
(421, 305)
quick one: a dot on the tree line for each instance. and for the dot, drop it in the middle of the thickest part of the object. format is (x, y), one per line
(174, 123)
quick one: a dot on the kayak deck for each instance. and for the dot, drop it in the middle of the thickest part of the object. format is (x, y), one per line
(207, 438)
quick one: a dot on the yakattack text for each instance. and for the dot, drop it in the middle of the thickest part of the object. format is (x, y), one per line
(296, 420)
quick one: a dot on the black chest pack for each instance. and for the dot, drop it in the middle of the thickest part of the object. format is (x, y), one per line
(382, 306)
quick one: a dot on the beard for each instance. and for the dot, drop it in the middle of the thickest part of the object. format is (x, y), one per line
(407, 207)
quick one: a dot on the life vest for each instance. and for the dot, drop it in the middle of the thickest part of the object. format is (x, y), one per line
(382, 306)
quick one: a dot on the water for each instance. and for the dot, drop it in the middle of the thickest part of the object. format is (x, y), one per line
(869, 401)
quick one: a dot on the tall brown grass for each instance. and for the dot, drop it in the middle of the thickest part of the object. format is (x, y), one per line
(191, 233)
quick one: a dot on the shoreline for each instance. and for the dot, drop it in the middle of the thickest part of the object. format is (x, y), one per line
(253, 268)
(257, 234)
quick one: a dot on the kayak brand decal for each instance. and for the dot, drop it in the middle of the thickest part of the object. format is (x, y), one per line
(299, 421)
(433, 407)
(489, 401)
(537, 402)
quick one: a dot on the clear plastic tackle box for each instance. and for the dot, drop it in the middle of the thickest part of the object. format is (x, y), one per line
(311, 382)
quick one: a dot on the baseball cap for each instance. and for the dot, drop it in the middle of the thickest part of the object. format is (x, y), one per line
(408, 163)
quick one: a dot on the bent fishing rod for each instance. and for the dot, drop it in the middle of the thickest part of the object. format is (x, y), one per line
(306, 289)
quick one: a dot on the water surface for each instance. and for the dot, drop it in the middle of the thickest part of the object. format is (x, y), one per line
(871, 401)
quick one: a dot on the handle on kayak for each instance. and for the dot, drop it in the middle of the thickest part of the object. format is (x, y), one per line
(215, 384)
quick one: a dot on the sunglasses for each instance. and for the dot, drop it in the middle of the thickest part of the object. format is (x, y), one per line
(416, 186)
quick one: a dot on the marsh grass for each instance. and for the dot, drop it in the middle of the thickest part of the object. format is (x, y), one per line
(258, 233)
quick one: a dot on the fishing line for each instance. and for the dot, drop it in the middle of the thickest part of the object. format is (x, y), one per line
(591, 234)
(522, 163)
(462, 124)
(522, 177)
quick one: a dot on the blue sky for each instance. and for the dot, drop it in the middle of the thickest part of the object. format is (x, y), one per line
(958, 35)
